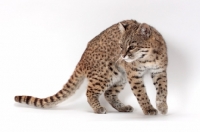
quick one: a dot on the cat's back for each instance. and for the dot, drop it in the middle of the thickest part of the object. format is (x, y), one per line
(104, 47)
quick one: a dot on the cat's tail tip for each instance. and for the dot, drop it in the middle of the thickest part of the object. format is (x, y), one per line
(17, 98)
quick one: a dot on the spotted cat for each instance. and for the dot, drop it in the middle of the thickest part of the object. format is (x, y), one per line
(121, 53)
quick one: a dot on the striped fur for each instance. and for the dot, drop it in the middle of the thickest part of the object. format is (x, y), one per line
(68, 89)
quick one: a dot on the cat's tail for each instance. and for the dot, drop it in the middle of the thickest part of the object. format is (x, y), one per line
(68, 89)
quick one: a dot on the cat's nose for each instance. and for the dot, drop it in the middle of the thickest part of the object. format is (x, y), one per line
(123, 56)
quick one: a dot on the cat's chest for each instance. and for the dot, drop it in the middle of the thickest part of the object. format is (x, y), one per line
(143, 65)
(120, 77)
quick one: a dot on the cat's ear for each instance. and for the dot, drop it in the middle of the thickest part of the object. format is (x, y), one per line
(144, 30)
(122, 28)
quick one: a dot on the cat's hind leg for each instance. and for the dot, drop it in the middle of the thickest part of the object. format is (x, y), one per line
(94, 90)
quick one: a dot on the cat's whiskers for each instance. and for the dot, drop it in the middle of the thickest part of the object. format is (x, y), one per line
(117, 60)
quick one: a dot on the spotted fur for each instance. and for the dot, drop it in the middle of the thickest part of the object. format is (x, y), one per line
(122, 53)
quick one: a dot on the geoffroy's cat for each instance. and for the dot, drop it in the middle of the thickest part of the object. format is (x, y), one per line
(121, 53)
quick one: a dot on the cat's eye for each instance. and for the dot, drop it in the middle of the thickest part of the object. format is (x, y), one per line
(121, 46)
(131, 47)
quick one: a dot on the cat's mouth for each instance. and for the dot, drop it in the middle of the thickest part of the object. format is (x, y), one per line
(128, 59)
(133, 57)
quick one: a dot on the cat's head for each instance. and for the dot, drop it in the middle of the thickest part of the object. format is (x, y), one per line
(134, 42)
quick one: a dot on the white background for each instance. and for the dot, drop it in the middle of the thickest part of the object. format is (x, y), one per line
(42, 41)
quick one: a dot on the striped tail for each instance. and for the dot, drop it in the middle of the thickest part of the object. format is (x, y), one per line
(68, 89)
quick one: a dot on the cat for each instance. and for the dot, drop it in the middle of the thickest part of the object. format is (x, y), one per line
(121, 53)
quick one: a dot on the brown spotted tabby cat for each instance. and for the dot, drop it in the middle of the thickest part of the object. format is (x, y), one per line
(121, 53)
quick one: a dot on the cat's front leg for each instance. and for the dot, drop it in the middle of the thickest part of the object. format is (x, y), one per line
(111, 96)
(160, 82)
(135, 79)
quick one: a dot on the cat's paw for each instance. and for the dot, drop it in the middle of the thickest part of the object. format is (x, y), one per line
(100, 110)
(127, 108)
(162, 107)
(150, 111)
